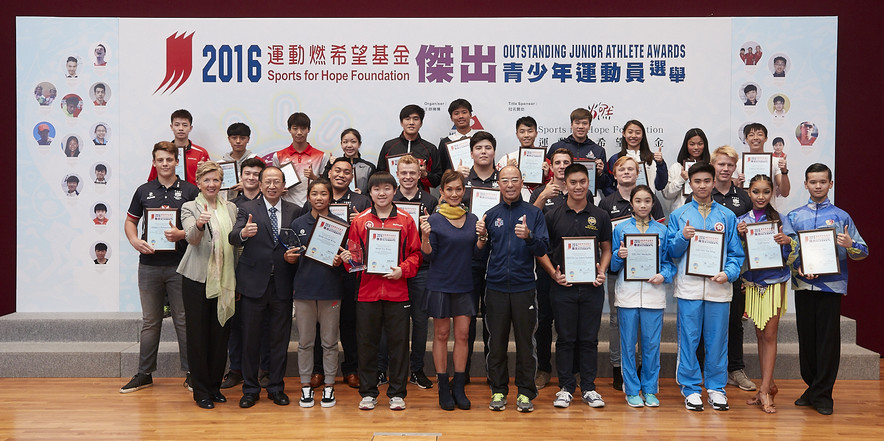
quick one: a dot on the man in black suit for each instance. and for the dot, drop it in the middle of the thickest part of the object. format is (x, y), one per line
(264, 278)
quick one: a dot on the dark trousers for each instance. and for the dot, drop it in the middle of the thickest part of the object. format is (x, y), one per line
(347, 329)
(578, 315)
(478, 299)
(371, 319)
(234, 343)
(278, 313)
(417, 292)
(543, 336)
(206, 340)
(518, 310)
(818, 318)
(735, 329)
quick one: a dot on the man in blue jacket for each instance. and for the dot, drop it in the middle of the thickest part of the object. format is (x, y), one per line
(516, 235)
(582, 147)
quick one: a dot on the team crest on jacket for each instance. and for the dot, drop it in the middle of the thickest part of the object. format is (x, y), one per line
(591, 223)
(719, 227)
(498, 222)
(736, 201)
(369, 224)
(830, 222)
(177, 195)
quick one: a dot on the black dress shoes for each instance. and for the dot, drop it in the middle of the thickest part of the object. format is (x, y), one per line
(218, 397)
(279, 398)
(824, 410)
(248, 400)
(205, 403)
(801, 401)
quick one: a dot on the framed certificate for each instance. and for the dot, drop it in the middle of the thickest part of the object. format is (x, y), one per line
(413, 209)
(705, 257)
(290, 174)
(618, 221)
(590, 168)
(642, 176)
(381, 250)
(531, 164)
(686, 190)
(460, 153)
(819, 252)
(393, 165)
(340, 210)
(643, 260)
(578, 261)
(156, 222)
(756, 164)
(482, 199)
(762, 251)
(231, 177)
(181, 168)
(325, 240)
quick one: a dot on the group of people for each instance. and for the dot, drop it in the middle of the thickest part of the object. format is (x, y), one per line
(235, 278)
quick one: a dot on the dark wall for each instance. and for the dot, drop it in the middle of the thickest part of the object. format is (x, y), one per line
(860, 92)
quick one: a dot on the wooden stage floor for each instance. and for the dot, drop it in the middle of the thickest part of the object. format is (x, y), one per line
(88, 408)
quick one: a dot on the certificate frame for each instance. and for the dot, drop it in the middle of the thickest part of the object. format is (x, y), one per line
(535, 177)
(591, 171)
(642, 171)
(327, 227)
(457, 146)
(473, 198)
(690, 265)
(290, 174)
(762, 158)
(686, 189)
(752, 252)
(393, 165)
(411, 208)
(155, 227)
(182, 164)
(226, 167)
(631, 263)
(575, 267)
(619, 220)
(373, 266)
(823, 234)
(335, 209)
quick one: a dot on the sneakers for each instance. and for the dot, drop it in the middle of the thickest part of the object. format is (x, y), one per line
(328, 397)
(651, 400)
(717, 399)
(231, 378)
(593, 399)
(306, 397)
(541, 380)
(382, 378)
(563, 399)
(498, 402)
(368, 403)
(523, 404)
(187, 382)
(738, 378)
(634, 401)
(693, 402)
(420, 379)
(139, 381)
(397, 403)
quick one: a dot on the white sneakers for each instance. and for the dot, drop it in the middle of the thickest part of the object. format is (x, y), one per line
(563, 399)
(717, 399)
(397, 403)
(368, 403)
(593, 399)
(693, 402)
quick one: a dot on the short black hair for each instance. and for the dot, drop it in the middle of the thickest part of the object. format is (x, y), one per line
(526, 121)
(381, 178)
(72, 178)
(459, 103)
(239, 129)
(101, 246)
(101, 207)
(817, 168)
(353, 132)
(779, 98)
(73, 58)
(778, 139)
(182, 113)
(750, 88)
(701, 167)
(576, 168)
(253, 162)
(261, 175)
(482, 136)
(410, 110)
(779, 58)
(341, 159)
(298, 119)
(99, 86)
(754, 126)
(320, 181)
(101, 167)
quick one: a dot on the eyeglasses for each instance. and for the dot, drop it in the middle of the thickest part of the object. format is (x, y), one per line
(507, 181)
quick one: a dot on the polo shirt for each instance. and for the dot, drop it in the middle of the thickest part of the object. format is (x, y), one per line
(154, 195)
(563, 221)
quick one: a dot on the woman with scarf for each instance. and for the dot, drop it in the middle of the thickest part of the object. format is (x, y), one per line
(449, 238)
(208, 284)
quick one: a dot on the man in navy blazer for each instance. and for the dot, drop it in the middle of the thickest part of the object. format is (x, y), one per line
(264, 278)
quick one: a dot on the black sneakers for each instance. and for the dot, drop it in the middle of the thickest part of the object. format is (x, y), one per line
(138, 382)
(420, 379)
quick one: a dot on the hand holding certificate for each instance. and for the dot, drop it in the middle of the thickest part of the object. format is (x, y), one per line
(482, 199)
(531, 161)
(705, 256)
(756, 164)
(579, 260)
(460, 153)
(290, 175)
(325, 240)
(382, 251)
(413, 209)
(819, 252)
(762, 250)
(643, 261)
(231, 177)
(156, 222)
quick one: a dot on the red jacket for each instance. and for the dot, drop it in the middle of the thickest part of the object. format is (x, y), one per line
(374, 287)
(194, 156)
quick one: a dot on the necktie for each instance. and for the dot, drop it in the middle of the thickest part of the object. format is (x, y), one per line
(274, 223)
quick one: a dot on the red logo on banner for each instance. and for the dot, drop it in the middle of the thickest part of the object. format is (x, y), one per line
(179, 61)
